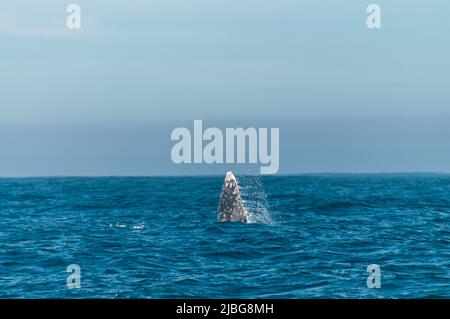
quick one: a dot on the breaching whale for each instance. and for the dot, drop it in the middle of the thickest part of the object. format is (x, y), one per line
(231, 207)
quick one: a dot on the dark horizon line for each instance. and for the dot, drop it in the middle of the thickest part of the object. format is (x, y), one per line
(220, 175)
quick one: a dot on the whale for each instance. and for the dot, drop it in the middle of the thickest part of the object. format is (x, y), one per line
(231, 207)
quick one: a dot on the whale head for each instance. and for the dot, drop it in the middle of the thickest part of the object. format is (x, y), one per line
(231, 207)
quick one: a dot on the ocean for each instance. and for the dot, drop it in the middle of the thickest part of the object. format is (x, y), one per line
(310, 236)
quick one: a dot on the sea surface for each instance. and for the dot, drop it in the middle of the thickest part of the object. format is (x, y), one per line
(311, 236)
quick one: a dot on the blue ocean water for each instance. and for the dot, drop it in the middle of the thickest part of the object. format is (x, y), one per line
(313, 236)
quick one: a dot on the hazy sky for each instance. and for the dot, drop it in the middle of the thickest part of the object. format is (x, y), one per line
(103, 100)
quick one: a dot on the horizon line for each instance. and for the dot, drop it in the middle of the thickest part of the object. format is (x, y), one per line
(220, 175)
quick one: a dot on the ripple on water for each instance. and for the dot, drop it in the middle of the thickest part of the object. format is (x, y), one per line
(159, 238)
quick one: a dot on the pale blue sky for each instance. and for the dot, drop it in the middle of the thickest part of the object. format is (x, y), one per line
(103, 100)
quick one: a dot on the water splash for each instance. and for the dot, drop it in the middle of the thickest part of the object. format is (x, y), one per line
(255, 199)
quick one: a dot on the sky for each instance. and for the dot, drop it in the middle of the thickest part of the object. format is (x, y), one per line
(104, 99)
